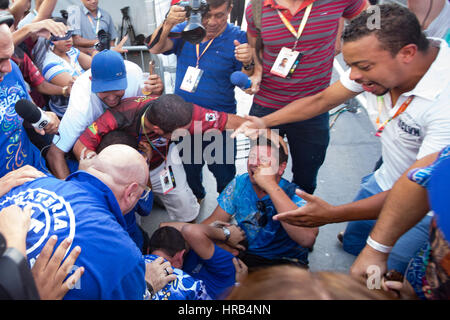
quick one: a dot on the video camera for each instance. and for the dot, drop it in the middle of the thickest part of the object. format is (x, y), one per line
(194, 32)
(104, 41)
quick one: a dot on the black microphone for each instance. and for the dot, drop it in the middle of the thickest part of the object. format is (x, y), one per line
(32, 113)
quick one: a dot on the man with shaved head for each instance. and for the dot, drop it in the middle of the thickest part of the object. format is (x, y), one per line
(88, 207)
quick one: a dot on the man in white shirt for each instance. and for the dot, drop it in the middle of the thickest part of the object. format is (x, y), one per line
(407, 77)
(110, 80)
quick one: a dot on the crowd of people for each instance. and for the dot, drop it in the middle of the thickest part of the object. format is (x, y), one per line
(112, 143)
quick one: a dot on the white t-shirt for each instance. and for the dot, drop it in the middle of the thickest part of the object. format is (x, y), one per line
(423, 128)
(85, 107)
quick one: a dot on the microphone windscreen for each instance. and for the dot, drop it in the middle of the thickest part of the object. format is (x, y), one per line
(240, 79)
(28, 110)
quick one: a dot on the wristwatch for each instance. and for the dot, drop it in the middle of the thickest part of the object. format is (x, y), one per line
(226, 232)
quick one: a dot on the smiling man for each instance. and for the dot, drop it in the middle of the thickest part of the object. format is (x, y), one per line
(405, 77)
(109, 80)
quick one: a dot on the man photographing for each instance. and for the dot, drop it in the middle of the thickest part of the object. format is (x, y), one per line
(203, 76)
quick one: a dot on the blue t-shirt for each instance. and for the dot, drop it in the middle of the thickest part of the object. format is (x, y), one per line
(83, 208)
(218, 273)
(266, 237)
(184, 287)
(15, 146)
(214, 91)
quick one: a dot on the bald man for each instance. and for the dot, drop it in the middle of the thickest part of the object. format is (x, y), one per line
(88, 207)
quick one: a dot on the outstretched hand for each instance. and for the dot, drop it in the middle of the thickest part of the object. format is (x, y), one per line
(315, 213)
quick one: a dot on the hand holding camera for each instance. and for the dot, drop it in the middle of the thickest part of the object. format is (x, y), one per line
(176, 15)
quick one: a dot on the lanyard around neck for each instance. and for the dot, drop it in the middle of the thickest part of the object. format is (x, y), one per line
(142, 130)
(197, 49)
(400, 110)
(289, 26)
(98, 21)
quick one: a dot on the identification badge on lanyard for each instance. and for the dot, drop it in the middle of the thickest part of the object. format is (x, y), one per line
(288, 59)
(167, 180)
(191, 79)
(286, 63)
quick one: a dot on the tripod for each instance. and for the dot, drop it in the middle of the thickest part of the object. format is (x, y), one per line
(126, 22)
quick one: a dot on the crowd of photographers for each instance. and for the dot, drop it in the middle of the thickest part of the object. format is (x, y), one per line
(89, 142)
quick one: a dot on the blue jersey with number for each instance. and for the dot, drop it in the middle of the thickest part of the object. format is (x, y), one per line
(83, 208)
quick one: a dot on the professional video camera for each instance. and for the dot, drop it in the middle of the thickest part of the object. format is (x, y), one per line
(104, 40)
(194, 32)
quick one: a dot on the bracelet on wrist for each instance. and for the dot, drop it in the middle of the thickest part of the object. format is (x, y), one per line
(249, 66)
(378, 246)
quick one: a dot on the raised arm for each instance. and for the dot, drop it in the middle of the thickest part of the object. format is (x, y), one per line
(176, 15)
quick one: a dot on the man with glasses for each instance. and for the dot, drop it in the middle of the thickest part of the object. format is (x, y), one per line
(253, 198)
(210, 65)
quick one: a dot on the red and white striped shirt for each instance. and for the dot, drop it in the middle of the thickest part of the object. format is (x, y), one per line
(317, 44)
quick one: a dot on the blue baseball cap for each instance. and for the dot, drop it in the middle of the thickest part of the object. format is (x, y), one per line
(108, 72)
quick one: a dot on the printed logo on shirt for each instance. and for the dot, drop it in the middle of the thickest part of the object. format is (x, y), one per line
(8, 98)
(407, 124)
(50, 214)
(93, 128)
(211, 116)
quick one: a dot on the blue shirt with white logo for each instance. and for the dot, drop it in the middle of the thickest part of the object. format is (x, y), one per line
(83, 208)
(15, 147)
(184, 287)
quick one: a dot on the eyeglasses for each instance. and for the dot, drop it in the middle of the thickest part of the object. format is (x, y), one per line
(146, 191)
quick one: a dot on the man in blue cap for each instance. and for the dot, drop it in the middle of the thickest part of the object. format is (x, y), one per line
(109, 81)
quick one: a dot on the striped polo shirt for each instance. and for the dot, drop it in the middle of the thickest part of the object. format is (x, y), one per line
(317, 44)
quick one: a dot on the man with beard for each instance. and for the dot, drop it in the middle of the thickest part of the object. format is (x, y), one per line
(406, 78)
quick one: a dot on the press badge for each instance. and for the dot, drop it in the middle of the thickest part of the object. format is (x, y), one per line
(167, 180)
(286, 63)
(191, 79)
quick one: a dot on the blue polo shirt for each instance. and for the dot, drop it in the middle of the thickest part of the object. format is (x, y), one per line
(15, 147)
(214, 91)
(84, 208)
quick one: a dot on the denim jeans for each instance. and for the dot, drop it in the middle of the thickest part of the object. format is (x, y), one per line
(405, 248)
(308, 141)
